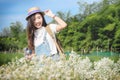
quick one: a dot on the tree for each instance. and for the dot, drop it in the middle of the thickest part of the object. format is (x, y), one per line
(16, 29)
(99, 29)
(65, 16)
(14, 37)
(5, 32)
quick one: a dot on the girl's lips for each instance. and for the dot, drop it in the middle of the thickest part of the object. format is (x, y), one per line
(38, 24)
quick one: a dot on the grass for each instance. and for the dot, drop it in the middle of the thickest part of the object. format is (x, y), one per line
(8, 57)
(97, 58)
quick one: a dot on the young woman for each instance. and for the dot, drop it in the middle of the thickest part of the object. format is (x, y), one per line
(39, 40)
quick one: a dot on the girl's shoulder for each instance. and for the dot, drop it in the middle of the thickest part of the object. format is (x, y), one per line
(53, 27)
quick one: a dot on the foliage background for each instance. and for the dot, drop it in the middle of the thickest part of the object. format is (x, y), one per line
(96, 27)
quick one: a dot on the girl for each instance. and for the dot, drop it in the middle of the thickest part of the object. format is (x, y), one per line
(39, 41)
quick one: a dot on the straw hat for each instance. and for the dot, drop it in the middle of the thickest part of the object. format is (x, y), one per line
(32, 11)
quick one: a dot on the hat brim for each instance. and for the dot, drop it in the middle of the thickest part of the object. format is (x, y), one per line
(33, 12)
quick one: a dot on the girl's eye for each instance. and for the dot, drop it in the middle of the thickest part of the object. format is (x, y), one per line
(39, 17)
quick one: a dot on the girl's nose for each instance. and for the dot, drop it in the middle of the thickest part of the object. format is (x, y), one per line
(36, 20)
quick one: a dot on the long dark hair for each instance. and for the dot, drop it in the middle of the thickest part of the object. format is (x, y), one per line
(31, 29)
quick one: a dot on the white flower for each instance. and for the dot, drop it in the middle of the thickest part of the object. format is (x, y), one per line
(75, 68)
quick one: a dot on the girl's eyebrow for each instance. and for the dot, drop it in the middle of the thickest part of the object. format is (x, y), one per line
(39, 16)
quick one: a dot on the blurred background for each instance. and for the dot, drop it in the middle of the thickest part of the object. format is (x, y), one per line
(93, 26)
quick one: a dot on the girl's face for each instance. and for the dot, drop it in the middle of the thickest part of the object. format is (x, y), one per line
(38, 20)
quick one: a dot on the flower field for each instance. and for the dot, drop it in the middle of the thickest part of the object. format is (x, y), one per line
(75, 68)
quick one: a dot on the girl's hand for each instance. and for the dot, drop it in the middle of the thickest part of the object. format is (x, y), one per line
(29, 57)
(49, 13)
